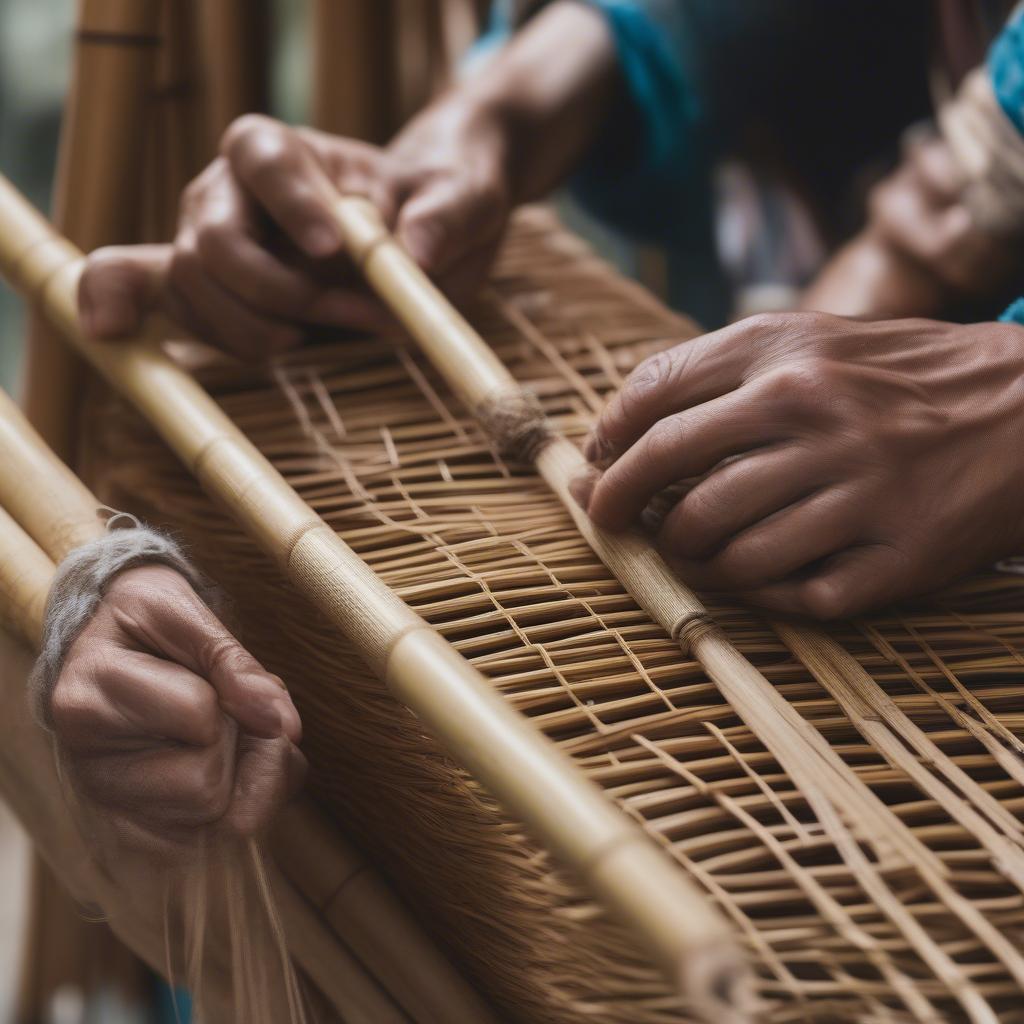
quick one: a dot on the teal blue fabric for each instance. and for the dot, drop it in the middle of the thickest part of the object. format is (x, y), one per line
(1006, 69)
(174, 1006)
(1014, 312)
(650, 151)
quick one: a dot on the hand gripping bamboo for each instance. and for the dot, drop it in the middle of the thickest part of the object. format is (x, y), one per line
(626, 872)
(59, 513)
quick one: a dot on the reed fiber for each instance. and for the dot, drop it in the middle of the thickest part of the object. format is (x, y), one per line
(905, 905)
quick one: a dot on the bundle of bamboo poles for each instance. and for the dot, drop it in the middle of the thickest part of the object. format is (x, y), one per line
(377, 965)
(675, 925)
(864, 839)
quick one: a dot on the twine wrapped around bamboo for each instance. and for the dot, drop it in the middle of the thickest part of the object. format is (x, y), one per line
(679, 928)
(39, 490)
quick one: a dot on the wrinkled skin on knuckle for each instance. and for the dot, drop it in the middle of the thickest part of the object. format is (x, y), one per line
(826, 600)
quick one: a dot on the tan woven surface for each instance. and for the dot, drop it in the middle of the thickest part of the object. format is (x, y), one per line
(921, 918)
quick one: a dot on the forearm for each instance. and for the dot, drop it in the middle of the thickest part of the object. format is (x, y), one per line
(536, 107)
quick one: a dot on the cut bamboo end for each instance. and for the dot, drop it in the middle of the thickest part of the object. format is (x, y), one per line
(521, 767)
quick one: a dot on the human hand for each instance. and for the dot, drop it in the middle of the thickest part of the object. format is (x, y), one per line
(258, 258)
(921, 211)
(834, 465)
(167, 725)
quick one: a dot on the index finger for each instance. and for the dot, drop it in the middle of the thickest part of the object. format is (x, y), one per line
(669, 382)
(285, 177)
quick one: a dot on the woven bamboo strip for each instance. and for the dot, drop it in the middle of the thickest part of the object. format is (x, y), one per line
(485, 387)
(678, 928)
(97, 197)
(39, 490)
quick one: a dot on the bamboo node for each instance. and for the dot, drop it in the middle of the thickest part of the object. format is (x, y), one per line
(515, 422)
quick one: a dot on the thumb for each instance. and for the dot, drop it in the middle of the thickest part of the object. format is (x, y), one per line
(119, 286)
(444, 220)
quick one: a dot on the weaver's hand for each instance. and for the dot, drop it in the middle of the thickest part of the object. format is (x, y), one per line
(258, 259)
(921, 251)
(166, 724)
(834, 464)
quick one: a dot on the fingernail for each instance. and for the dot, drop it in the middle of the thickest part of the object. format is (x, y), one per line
(112, 316)
(594, 449)
(581, 487)
(321, 240)
(290, 723)
(419, 244)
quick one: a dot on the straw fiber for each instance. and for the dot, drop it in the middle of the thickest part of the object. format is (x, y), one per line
(901, 898)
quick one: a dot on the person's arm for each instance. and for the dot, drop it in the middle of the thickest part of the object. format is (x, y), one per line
(257, 258)
(947, 227)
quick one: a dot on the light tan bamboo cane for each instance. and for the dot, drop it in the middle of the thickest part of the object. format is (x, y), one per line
(97, 197)
(39, 490)
(622, 867)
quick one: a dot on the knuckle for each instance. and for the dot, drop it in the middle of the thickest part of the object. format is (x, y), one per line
(70, 710)
(800, 381)
(651, 375)
(825, 599)
(223, 653)
(666, 436)
(186, 266)
(243, 132)
(213, 237)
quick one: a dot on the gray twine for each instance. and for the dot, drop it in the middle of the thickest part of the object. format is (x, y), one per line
(78, 587)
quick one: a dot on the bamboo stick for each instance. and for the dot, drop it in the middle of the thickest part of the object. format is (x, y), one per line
(234, 37)
(177, 132)
(353, 80)
(59, 511)
(97, 197)
(623, 868)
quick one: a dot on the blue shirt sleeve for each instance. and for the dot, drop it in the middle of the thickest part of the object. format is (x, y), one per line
(637, 173)
(650, 152)
(1006, 70)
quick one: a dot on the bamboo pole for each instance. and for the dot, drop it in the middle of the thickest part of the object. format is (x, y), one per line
(39, 490)
(234, 40)
(353, 80)
(177, 131)
(97, 197)
(622, 867)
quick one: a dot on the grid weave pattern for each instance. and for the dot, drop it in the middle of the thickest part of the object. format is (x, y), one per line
(921, 919)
